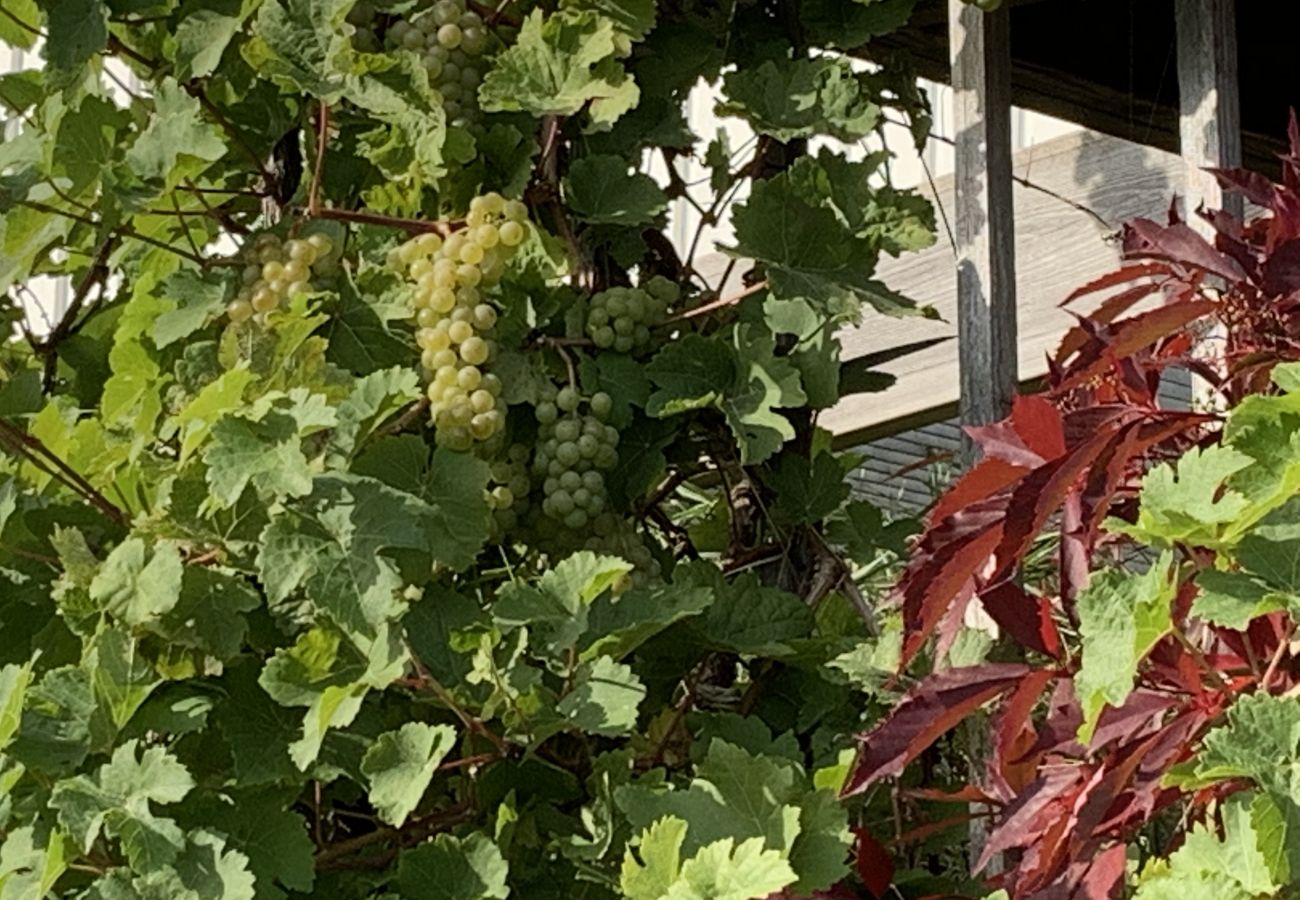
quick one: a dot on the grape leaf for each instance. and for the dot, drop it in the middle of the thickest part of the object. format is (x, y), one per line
(30, 866)
(137, 583)
(745, 616)
(373, 399)
(202, 36)
(265, 452)
(14, 680)
(1206, 866)
(400, 765)
(620, 376)
(1182, 502)
(1233, 599)
(14, 34)
(199, 296)
(601, 190)
(1260, 741)
(725, 869)
(604, 699)
(557, 65)
(660, 849)
(1122, 615)
(632, 18)
(801, 97)
(76, 30)
(689, 373)
(302, 45)
(275, 840)
(619, 623)
(116, 801)
(764, 383)
(177, 143)
(54, 735)
(122, 679)
(851, 23)
(449, 868)
(807, 492)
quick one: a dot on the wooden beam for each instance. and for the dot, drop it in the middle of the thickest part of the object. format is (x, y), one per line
(984, 213)
(1208, 99)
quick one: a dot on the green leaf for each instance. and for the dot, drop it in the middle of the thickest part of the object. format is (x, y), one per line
(13, 690)
(122, 679)
(202, 36)
(1184, 503)
(601, 190)
(54, 735)
(689, 373)
(178, 143)
(76, 31)
(557, 65)
(605, 698)
(373, 399)
(1233, 599)
(801, 97)
(15, 35)
(764, 383)
(1260, 741)
(555, 609)
(632, 18)
(137, 583)
(660, 848)
(275, 840)
(266, 453)
(454, 514)
(1206, 866)
(199, 296)
(116, 801)
(807, 492)
(863, 532)
(851, 23)
(400, 765)
(209, 616)
(1122, 615)
(745, 617)
(620, 376)
(723, 869)
(257, 730)
(30, 866)
(448, 868)
(302, 45)
(619, 623)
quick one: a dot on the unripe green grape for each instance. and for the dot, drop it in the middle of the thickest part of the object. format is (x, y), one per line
(546, 412)
(601, 404)
(511, 233)
(623, 343)
(469, 274)
(446, 11)
(460, 332)
(473, 40)
(451, 90)
(450, 35)
(561, 502)
(568, 430)
(576, 519)
(567, 453)
(239, 310)
(482, 401)
(588, 446)
(264, 300)
(474, 350)
(469, 377)
(471, 253)
(570, 481)
(484, 317)
(413, 39)
(567, 399)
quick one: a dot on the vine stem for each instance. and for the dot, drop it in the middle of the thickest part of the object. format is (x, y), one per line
(332, 857)
(707, 308)
(471, 723)
(412, 226)
(1276, 659)
(322, 138)
(32, 449)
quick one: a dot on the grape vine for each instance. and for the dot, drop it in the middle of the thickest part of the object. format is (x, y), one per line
(454, 536)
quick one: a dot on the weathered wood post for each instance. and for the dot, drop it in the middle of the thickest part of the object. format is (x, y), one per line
(980, 51)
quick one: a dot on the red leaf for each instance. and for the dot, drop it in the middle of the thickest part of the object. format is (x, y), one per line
(1179, 243)
(1133, 334)
(1026, 618)
(1025, 819)
(1281, 272)
(988, 477)
(1122, 275)
(1111, 309)
(1104, 874)
(1013, 735)
(1251, 185)
(875, 865)
(930, 709)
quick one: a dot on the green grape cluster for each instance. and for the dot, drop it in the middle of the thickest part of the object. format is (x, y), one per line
(454, 320)
(451, 41)
(508, 494)
(612, 535)
(277, 270)
(620, 318)
(573, 450)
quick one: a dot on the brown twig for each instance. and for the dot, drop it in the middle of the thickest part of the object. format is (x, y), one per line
(494, 16)
(721, 303)
(335, 855)
(96, 274)
(322, 138)
(32, 449)
(413, 226)
(472, 724)
(1211, 673)
(1276, 660)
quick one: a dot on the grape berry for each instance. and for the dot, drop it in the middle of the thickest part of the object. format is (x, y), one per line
(620, 318)
(279, 270)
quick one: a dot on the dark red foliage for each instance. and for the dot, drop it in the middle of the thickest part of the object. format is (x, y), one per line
(1065, 460)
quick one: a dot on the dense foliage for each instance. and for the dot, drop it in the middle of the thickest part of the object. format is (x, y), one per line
(1145, 732)
(393, 512)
